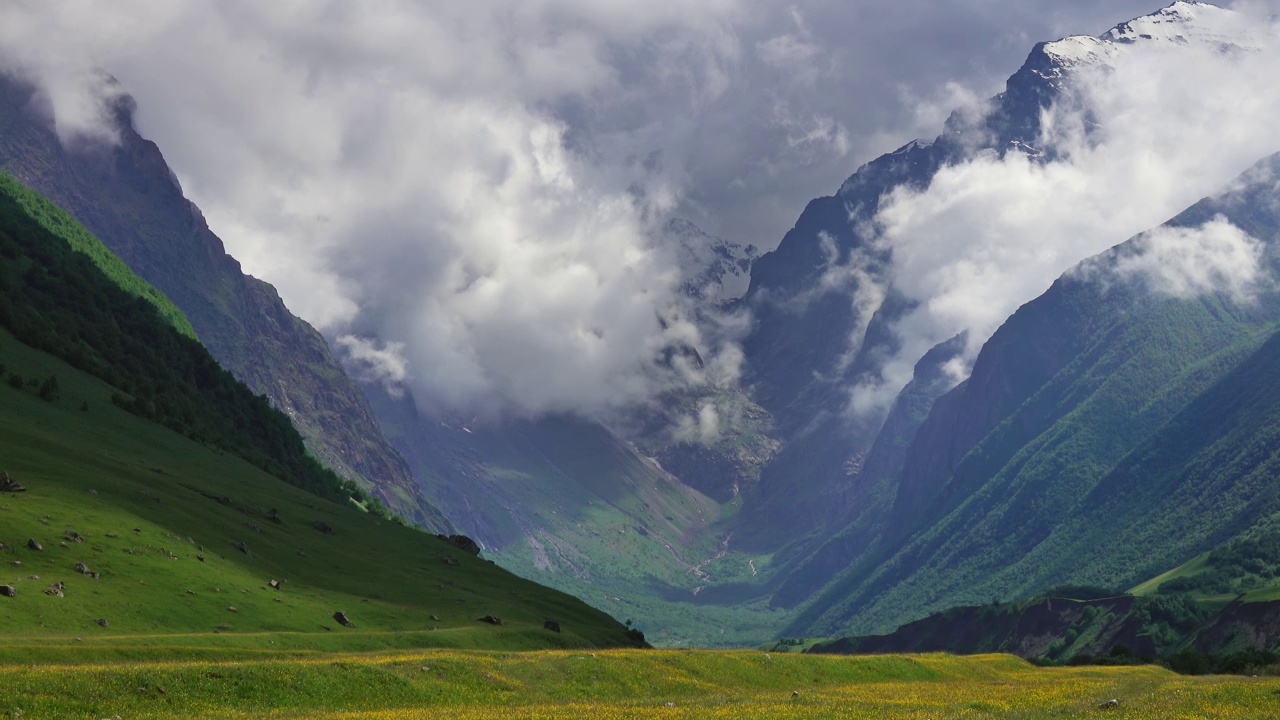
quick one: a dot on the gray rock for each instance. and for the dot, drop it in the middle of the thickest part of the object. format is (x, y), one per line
(8, 591)
(342, 619)
(31, 543)
(55, 590)
(103, 622)
(8, 484)
(1111, 704)
(322, 527)
(492, 620)
(243, 548)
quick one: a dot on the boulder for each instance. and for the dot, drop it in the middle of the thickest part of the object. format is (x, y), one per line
(103, 622)
(8, 591)
(31, 543)
(464, 543)
(342, 619)
(492, 620)
(74, 536)
(55, 590)
(8, 484)
(243, 548)
(274, 584)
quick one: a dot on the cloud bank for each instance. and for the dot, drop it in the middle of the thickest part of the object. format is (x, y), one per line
(464, 195)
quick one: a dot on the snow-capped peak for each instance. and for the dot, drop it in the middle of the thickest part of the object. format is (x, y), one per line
(713, 269)
(1182, 23)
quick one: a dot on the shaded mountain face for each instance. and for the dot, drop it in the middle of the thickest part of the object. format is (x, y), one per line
(127, 196)
(1110, 429)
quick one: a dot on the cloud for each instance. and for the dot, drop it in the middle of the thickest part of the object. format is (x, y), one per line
(1216, 257)
(1135, 144)
(473, 188)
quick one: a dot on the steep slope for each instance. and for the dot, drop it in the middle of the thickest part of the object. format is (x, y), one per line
(159, 517)
(127, 197)
(1108, 430)
(151, 494)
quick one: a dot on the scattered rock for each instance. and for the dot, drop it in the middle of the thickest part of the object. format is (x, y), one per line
(137, 531)
(464, 543)
(492, 620)
(232, 608)
(255, 528)
(8, 484)
(103, 622)
(274, 584)
(55, 590)
(128, 551)
(342, 619)
(8, 591)
(74, 536)
(191, 592)
(551, 625)
(33, 577)
(82, 568)
(3, 547)
(433, 617)
(112, 535)
(200, 558)
(243, 548)
(450, 560)
(795, 694)
(322, 527)
(1111, 704)
(274, 516)
(31, 543)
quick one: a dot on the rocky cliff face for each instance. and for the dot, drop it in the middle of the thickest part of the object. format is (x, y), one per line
(127, 196)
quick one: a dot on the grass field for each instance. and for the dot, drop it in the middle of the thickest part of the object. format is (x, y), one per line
(606, 684)
(159, 517)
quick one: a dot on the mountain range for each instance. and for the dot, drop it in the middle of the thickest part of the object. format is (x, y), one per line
(1111, 429)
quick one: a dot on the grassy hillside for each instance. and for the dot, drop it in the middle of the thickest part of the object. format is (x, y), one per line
(150, 503)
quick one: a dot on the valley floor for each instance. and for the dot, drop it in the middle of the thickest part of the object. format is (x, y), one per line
(104, 679)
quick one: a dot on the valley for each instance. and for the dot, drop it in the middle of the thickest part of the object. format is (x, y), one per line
(993, 430)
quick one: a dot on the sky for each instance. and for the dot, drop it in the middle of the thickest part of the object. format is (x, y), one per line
(464, 196)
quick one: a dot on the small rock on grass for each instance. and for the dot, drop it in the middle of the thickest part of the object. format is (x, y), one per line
(31, 543)
(1111, 704)
(342, 618)
(491, 619)
(8, 591)
(55, 590)
(103, 622)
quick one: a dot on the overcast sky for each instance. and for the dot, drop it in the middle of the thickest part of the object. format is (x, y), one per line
(463, 194)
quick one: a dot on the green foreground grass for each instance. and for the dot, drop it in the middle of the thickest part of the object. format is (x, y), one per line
(609, 684)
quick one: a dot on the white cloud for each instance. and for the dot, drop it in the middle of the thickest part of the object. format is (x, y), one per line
(1216, 257)
(477, 183)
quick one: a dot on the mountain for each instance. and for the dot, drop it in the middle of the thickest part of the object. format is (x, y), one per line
(150, 498)
(1108, 430)
(127, 197)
